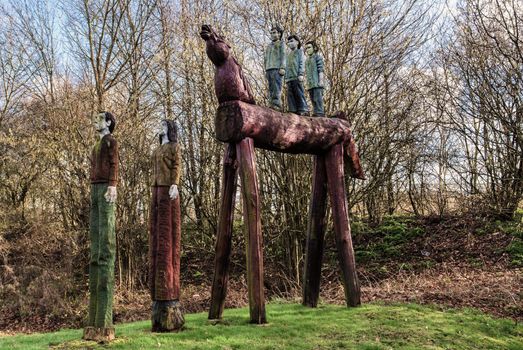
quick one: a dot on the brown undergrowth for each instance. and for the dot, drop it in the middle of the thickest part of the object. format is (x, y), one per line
(456, 262)
(495, 291)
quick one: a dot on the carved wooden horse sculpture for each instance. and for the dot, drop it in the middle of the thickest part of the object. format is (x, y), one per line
(244, 126)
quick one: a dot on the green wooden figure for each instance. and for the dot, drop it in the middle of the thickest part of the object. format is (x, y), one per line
(314, 70)
(104, 175)
(296, 102)
(275, 63)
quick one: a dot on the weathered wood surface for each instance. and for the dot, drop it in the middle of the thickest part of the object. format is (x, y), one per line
(315, 233)
(225, 224)
(167, 316)
(101, 335)
(338, 198)
(276, 131)
(252, 227)
(229, 81)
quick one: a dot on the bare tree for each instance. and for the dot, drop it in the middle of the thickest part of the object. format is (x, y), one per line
(95, 29)
(485, 82)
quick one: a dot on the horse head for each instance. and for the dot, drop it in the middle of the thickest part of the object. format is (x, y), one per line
(216, 47)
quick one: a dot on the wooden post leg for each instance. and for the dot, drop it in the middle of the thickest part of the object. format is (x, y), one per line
(252, 224)
(225, 223)
(315, 234)
(340, 215)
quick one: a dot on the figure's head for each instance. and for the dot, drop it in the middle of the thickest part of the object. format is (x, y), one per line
(276, 32)
(104, 120)
(293, 42)
(168, 128)
(311, 47)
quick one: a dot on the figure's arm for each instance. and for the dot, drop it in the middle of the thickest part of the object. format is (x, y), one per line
(92, 160)
(265, 57)
(176, 163)
(112, 149)
(321, 68)
(283, 58)
(301, 65)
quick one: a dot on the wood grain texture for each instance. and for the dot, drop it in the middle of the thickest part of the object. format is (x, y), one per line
(315, 234)
(167, 316)
(229, 82)
(338, 198)
(276, 131)
(99, 334)
(252, 227)
(225, 225)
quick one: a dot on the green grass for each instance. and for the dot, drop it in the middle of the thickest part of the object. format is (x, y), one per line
(371, 326)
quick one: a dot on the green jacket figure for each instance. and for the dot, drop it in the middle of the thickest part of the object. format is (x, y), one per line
(275, 63)
(314, 70)
(104, 175)
(294, 76)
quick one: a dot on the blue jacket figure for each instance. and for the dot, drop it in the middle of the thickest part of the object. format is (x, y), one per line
(314, 68)
(294, 74)
(274, 62)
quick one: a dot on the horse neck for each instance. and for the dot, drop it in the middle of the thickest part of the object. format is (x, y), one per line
(218, 51)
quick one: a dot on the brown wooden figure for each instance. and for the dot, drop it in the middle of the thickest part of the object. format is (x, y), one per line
(165, 232)
(243, 126)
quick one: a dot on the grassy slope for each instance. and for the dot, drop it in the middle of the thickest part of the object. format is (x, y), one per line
(372, 326)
